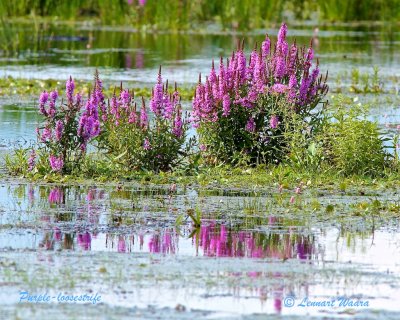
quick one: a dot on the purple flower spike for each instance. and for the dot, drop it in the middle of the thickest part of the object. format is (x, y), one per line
(59, 129)
(78, 99)
(273, 122)
(177, 129)
(132, 117)
(157, 99)
(265, 47)
(125, 98)
(54, 95)
(70, 87)
(280, 68)
(226, 105)
(46, 134)
(281, 44)
(146, 144)
(56, 163)
(44, 96)
(251, 125)
(143, 115)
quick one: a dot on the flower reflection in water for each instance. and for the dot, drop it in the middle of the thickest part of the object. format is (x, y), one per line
(84, 240)
(56, 195)
(164, 242)
(219, 241)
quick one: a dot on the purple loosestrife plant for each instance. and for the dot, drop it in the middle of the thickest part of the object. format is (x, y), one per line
(243, 109)
(68, 127)
(141, 138)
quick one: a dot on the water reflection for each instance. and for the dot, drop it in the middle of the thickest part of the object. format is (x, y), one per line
(219, 241)
(211, 239)
(144, 219)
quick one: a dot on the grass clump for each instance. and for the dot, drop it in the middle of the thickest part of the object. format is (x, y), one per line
(352, 144)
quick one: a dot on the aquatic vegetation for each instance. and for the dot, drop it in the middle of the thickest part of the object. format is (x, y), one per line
(351, 144)
(10, 86)
(68, 128)
(366, 83)
(135, 139)
(143, 140)
(242, 111)
(177, 14)
(267, 110)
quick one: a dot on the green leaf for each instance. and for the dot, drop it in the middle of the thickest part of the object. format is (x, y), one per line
(121, 155)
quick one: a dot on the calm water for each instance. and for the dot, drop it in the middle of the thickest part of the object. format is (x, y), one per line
(56, 52)
(141, 220)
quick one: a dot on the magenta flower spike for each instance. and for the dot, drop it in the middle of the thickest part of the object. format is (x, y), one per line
(226, 105)
(265, 47)
(251, 125)
(69, 88)
(156, 102)
(177, 128)
(144, 120)
(273, 122)
(281, 45)
(44, 96)
(56, 163)
(59, 130)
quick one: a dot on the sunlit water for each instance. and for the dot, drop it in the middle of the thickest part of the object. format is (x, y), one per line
(136, 221)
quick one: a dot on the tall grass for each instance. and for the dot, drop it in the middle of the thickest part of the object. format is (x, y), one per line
(236, 14)
(359, 10)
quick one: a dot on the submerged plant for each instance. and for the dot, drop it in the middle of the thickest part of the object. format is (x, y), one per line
(240, 111)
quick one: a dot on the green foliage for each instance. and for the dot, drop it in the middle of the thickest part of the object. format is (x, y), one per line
(365, 82)
(178, 14)
(302, 149)
(358, 10)
(124, 145)
(352, 144)
(16, 163)
(132, 140)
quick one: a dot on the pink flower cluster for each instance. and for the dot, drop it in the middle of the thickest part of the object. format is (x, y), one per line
(44, 100)
(164, 104)
(167, 105)
(125, 107)
(89, 123)
(56, 163)
(69, 116)
(240, 83)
